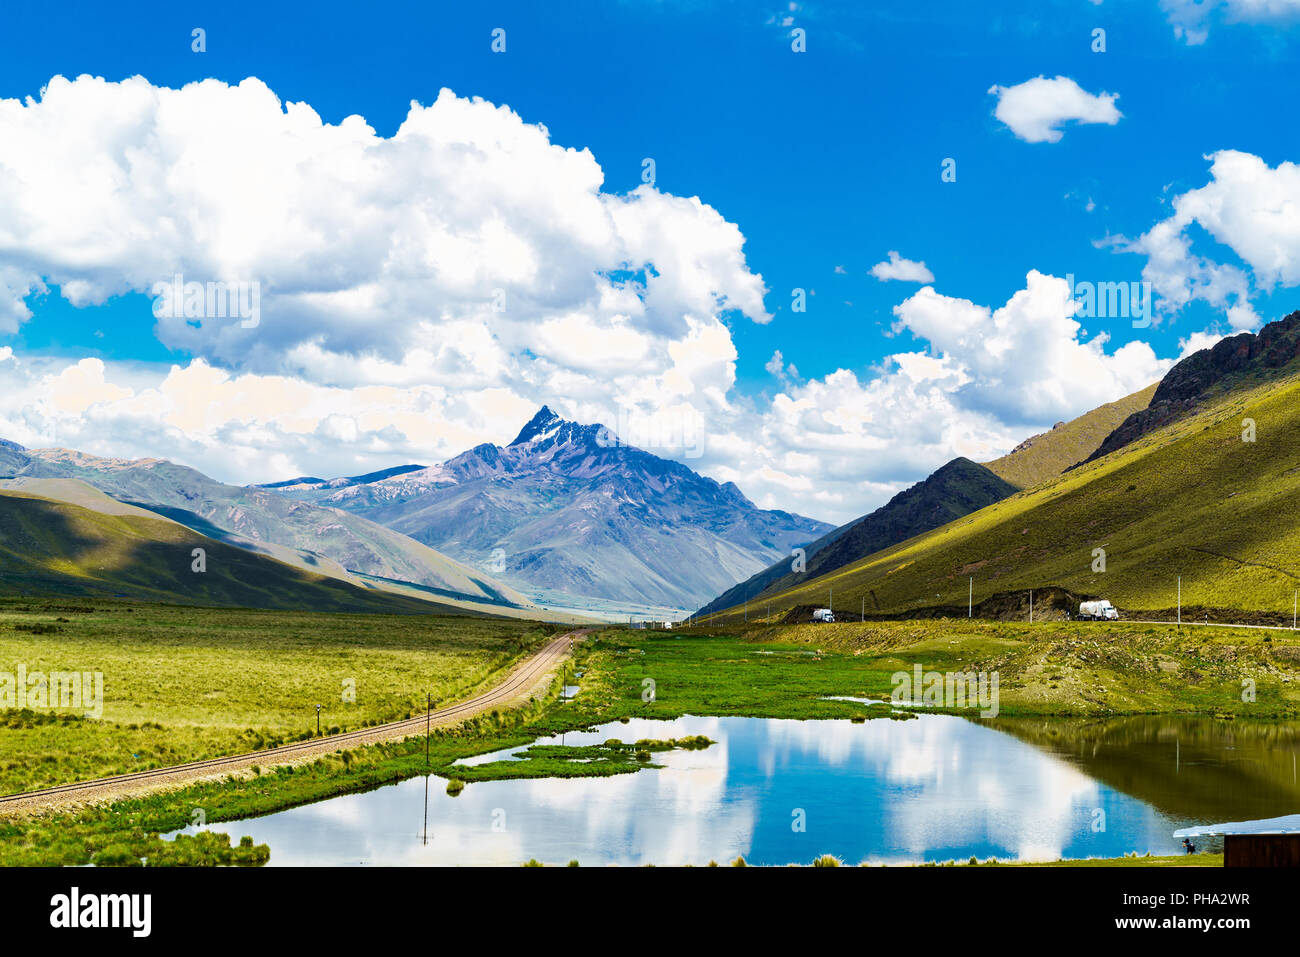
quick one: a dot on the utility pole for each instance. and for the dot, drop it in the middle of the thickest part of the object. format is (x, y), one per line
(863, 615)
(1180, 599)
(428, 728)
(970, 597)
(1031, 606)
(1295, 601)
(318, 721)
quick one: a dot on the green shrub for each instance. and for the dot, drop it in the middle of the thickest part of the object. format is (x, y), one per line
(116, 855)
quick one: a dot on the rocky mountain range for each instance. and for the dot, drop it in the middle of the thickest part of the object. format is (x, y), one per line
(568, 508)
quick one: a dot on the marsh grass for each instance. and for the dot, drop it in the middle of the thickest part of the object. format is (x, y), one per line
(579, 761)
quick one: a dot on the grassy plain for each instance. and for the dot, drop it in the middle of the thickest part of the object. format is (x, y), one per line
(182, 684)
(771, 680)
(1066, 668)
(1051, 669)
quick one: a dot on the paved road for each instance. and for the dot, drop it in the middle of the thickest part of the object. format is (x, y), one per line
(521, 681)
(1205, 624)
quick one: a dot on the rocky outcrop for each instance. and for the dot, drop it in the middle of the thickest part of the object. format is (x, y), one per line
(1210, 371)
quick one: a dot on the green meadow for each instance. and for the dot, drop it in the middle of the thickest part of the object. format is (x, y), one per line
(1064, 668)
(182, 684)
(750, 679)
(271, 667)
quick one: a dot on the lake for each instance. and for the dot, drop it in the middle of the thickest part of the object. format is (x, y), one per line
(776, 791)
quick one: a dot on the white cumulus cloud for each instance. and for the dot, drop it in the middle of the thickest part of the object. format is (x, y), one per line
(1036, 109)
(905, 270)
(363, 245)
(425, 292)
(1027, 360)
(1247, 206)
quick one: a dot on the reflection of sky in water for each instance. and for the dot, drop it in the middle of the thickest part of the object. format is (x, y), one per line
(935, 788)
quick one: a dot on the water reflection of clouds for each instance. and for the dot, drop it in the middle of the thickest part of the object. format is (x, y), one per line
(881, 790)
(1025, 802)
(959, 777)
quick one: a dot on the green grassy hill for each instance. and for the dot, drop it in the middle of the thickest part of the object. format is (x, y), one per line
(50, 547)
(1048, 454)
(956, 489)
(1191, 498)
(1235, 363)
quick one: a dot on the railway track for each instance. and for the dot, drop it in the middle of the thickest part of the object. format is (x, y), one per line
(519, 680)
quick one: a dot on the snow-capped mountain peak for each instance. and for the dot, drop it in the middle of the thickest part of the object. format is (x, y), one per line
(546, 429)
(540, 427)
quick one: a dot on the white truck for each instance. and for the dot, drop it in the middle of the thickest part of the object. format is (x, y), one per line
(823, 614)
(1101, 610)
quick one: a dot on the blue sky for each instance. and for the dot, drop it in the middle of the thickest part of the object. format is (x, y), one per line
(823, 159)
